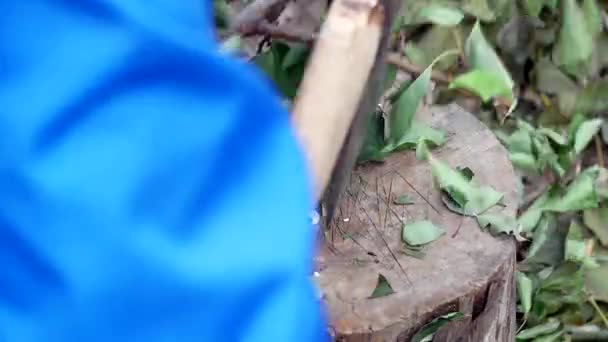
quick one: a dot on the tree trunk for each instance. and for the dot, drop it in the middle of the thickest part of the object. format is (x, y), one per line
(466, 270)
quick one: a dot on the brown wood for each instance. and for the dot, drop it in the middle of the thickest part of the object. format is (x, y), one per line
(334, 82)
(358, 128)
(340, 88)
(471, 272)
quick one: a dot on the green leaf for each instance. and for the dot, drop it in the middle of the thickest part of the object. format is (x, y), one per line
(270, 62)
(383, 288)
(593, 17)
(412, 252)
(233, 43)
(221, 13)
(481, 56)
(420, 233)
(452, 205)
(568, 276)
(466, 172)
(373, 148)
(554, 337)
(554, 136)
(441, 15)
(549, 327)
(452, 181)
(579, 195)
(530, 218)
(533, 7)
(585, 133)
(590, 100)
(474, 199)
(597, 221)
(575, 123)
(551, 80)
(297, 54)
(575, 43)
(415, 54)
(404, 109)
(403, 200)
(418, 131)
(520, 141)
(523, 161)
(479, 9)
(422, 150)
(588, 332)
(575, 243)
(432, 44)
(480, 199)
(431, 328)
(547, 243)
(391, 76)
(498, 223)
(485, 84)
(525, 287)
(596, 282)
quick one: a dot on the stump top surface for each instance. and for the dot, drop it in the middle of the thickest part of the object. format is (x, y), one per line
(366, 222)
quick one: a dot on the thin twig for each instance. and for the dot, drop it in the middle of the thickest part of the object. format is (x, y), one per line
(599, 310)
(387, 205)
(396, 60)
(256, 12)
(387, 246)
(418, 192)
(264, 28)
(599, 150)
(359, 205)
(459, 226)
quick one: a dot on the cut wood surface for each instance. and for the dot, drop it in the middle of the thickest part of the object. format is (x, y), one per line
(466, 270)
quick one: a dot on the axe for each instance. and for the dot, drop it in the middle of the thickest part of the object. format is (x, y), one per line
(342, 85)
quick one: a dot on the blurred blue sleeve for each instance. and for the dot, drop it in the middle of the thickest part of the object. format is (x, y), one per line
(150, 190)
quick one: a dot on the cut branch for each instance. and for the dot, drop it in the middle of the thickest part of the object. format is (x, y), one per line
(256, 12)
(264, 28)
(396, 60)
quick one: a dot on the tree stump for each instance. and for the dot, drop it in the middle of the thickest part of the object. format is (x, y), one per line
(466, 270)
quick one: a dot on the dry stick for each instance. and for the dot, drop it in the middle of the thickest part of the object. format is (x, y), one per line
(396, 60)
(359, 205)
(418, 192)
(387, 246)
(256, 12)
(264, 28)
(388, 206)
(599, 150)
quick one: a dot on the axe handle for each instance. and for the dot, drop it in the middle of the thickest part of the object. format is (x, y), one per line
(341, 87)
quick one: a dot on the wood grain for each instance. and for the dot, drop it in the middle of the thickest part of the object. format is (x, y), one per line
(471, 272)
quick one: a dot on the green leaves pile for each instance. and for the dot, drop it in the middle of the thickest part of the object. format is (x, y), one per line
(558, 51)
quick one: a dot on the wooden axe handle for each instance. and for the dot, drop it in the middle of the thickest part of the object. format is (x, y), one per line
(340, 89)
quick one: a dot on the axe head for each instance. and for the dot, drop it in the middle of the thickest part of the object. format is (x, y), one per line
(355, 138)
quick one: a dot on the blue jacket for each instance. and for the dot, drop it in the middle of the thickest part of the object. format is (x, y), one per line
(150, 189)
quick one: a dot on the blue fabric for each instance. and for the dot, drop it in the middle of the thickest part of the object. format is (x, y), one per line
(150, 189)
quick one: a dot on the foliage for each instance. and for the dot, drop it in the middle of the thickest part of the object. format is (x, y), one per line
(539, 69)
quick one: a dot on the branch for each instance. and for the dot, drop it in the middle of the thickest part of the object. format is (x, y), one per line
(396, 60)
(264, 28)
(257, 11)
